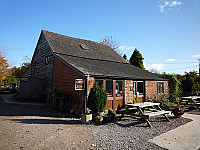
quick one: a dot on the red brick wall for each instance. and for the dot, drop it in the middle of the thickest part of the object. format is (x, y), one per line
(64, 79)
(151, 90)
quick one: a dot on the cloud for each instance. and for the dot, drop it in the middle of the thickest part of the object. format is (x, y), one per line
(175, 3)
(155, 67)
(168, 4)
(171, 60)
(126, 47)
(196, 56)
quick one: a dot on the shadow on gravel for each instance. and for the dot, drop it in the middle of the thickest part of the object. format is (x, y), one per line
(45, 121)
(11, 109)
(129, 121)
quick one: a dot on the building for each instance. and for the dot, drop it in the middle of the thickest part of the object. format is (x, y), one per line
(72, 65)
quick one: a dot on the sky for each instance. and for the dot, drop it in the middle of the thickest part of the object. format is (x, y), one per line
(166, 32)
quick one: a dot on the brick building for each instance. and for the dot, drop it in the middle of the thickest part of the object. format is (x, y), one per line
(73, 65)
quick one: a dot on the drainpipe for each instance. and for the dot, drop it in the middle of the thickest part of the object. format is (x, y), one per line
(86, 88)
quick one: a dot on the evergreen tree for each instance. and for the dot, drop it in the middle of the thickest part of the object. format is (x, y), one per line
(137, 59)
(97, 98)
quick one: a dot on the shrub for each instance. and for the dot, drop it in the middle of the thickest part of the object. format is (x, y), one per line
(134, 101)
(174, 89)
(97, 98)
(164, 102)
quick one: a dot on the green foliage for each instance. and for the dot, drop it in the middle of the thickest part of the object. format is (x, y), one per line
(134, 101)
(164, 102)
(19, 71)
(174, 89)
(164, 75)
(99, 117)
(110, 111)
(97, 98)
(187, 84)
(137, 59)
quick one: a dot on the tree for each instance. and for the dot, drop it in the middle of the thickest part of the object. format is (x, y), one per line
(97, 98)
(109, 41)
(174, 89)
(19, 71)
(125, 57)
(137, 59)
(3, 66)
(187, 84)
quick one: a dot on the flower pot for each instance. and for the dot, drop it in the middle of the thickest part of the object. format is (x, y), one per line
(99, 121)
(178, 115)
(106, 119)
(86, 118)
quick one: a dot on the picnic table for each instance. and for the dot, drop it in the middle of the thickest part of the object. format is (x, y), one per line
(190, 100)
(145, 110)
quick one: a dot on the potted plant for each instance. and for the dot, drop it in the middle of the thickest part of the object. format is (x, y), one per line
(99, 119)
(178, 111)
(110, 116)
(97, 100)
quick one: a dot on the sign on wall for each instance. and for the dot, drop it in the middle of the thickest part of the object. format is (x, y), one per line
(79, 84)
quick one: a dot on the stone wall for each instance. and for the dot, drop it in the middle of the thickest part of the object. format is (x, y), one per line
(128, 92)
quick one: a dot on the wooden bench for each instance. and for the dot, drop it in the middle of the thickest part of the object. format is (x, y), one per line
(147, 115)
(156, 113)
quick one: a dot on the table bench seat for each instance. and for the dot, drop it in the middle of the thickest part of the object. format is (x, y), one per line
(151, 114)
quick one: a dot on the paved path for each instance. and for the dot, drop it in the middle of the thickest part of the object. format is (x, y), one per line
(8, 98)
(186, 137)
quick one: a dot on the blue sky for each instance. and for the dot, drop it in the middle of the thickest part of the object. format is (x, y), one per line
(166, 32)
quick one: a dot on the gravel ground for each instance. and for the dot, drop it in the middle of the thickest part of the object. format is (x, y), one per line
(38, 127)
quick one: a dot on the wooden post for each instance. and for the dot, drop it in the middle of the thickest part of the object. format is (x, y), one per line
(114, 94)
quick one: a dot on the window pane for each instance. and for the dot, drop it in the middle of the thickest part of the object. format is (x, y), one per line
(158, 87)
(100, 82)
(161, 87)
(109, 87)
(119, 88)
(140, 88)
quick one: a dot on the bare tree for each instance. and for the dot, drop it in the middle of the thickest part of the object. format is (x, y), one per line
(109, 41)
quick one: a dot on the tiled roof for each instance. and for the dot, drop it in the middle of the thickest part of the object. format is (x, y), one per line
(72, 46)
(98, 60)
(104, 68)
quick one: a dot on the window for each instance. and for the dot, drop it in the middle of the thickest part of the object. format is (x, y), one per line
(118, 88)
(140, 88)
(100, 82)
(84, 47)
(109, 87)
(160, 87)
(46, 60)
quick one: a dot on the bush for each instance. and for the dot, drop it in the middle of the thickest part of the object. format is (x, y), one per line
(134, 101)
(97, 98)
(164, 103)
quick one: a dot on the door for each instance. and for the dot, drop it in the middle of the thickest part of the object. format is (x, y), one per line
(138, 87)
